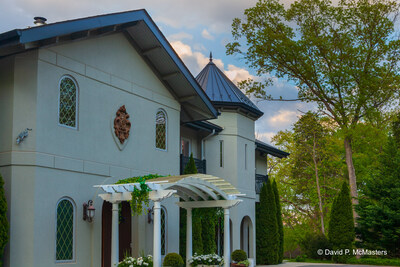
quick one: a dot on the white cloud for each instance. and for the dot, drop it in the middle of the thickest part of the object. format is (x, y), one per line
(237, 74)
(195, 61)
(207, 35)
(284, 118)
(180, 36)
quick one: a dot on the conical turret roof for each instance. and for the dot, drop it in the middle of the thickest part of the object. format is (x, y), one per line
(222, 91)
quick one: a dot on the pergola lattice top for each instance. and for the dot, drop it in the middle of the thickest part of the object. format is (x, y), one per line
(190, 187)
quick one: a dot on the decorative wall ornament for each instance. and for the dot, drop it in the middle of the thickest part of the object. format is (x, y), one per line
(121, 126)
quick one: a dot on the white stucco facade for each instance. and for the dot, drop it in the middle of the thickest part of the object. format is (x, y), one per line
(55, 162)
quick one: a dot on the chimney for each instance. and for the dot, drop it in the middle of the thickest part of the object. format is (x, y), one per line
(39, 21)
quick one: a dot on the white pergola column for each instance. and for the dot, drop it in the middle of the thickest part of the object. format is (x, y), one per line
(157, 235)
(189, 252)
(115, 235)
(227, 251)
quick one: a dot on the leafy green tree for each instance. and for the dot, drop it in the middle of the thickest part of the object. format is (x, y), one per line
(190, 168)
(341, 225)
(197, 237)
(378, 225)
(344, 57)
(3, 220)
(267, 233)
(278, 221)
(310, 177)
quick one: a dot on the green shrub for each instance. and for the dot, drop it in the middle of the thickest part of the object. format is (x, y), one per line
(374, 261)
(3, 220)
(267, 235)
(301, 258)
(190, 167)
(341, 225)
(279, 222)
(239, 255)
(173, 260)
(312, 242)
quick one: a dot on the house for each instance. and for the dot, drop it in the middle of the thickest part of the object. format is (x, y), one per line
(91, 101)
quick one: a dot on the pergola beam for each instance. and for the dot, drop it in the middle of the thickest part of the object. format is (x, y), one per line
(226, 204)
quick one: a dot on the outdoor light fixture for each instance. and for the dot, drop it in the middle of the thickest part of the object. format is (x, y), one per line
(88, 211)
(149, 213)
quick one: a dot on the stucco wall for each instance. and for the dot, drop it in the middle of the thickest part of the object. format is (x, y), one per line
(261, 164)
(55, 161)
(238, 131)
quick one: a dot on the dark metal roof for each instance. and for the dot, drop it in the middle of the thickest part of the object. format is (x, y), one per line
(268, 149)
(222, 91)
(145, 37)
(204, 125)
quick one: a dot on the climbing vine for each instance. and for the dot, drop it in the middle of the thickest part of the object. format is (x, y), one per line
(139, 195)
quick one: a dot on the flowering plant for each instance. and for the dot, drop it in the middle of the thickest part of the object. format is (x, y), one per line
(210, 259)
(145, 261)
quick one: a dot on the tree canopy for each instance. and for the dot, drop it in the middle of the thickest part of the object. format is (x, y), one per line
(343, 57)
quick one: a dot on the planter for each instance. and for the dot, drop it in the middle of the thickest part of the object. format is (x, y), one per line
(237, 265)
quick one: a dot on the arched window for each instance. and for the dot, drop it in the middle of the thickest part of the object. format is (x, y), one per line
(65, 225)
(68, 102)
(161, 130)
(163, 231)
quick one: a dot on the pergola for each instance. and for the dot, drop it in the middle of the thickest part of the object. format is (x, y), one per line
(194, 190)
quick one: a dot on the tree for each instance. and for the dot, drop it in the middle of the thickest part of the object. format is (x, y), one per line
(278, 221)
(342, 57)
(267, 228)
(3, 219)
(311, 176)
(341, 226)
(379, 211)
(190, 167)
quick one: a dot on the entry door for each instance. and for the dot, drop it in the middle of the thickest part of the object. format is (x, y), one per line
(125, 232)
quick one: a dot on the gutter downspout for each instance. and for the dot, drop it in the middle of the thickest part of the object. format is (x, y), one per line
(203, 141)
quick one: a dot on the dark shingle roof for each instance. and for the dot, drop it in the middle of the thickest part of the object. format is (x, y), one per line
(268, 149)
(222, 91)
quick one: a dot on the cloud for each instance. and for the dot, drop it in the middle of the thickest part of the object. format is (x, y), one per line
(180, 36)
(284, 118)
(207, 35)
(195, 61)
(174, 13)
(237, 74)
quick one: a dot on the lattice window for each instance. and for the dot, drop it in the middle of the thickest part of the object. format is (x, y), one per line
(163, 231)
(67, 110)
(161, 130)
(65, 231)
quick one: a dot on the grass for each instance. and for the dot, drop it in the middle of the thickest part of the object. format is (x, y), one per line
(363, 261)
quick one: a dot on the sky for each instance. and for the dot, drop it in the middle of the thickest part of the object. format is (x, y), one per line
(193, 27)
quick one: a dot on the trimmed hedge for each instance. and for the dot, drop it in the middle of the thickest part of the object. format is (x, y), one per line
(239, 255)
(173, 260)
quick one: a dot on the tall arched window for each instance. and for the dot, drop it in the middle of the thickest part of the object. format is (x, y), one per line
(163, 231)
(68, 102)
(161, 130)
(65, 225)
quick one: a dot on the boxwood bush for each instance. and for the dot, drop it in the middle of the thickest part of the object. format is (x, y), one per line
(173, 260)
(239, 255)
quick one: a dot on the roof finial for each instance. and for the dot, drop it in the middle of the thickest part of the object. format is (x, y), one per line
(210, 56)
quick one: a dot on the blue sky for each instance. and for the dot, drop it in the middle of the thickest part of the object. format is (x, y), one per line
(193, 27)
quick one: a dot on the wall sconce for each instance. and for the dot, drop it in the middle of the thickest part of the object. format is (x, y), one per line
(88, 211)
(23, 135)
(149, 213)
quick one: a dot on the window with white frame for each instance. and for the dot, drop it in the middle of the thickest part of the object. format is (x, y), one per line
(185, 147)
(161, 130)
(65, 224)
(68, 102)
(163, 231)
